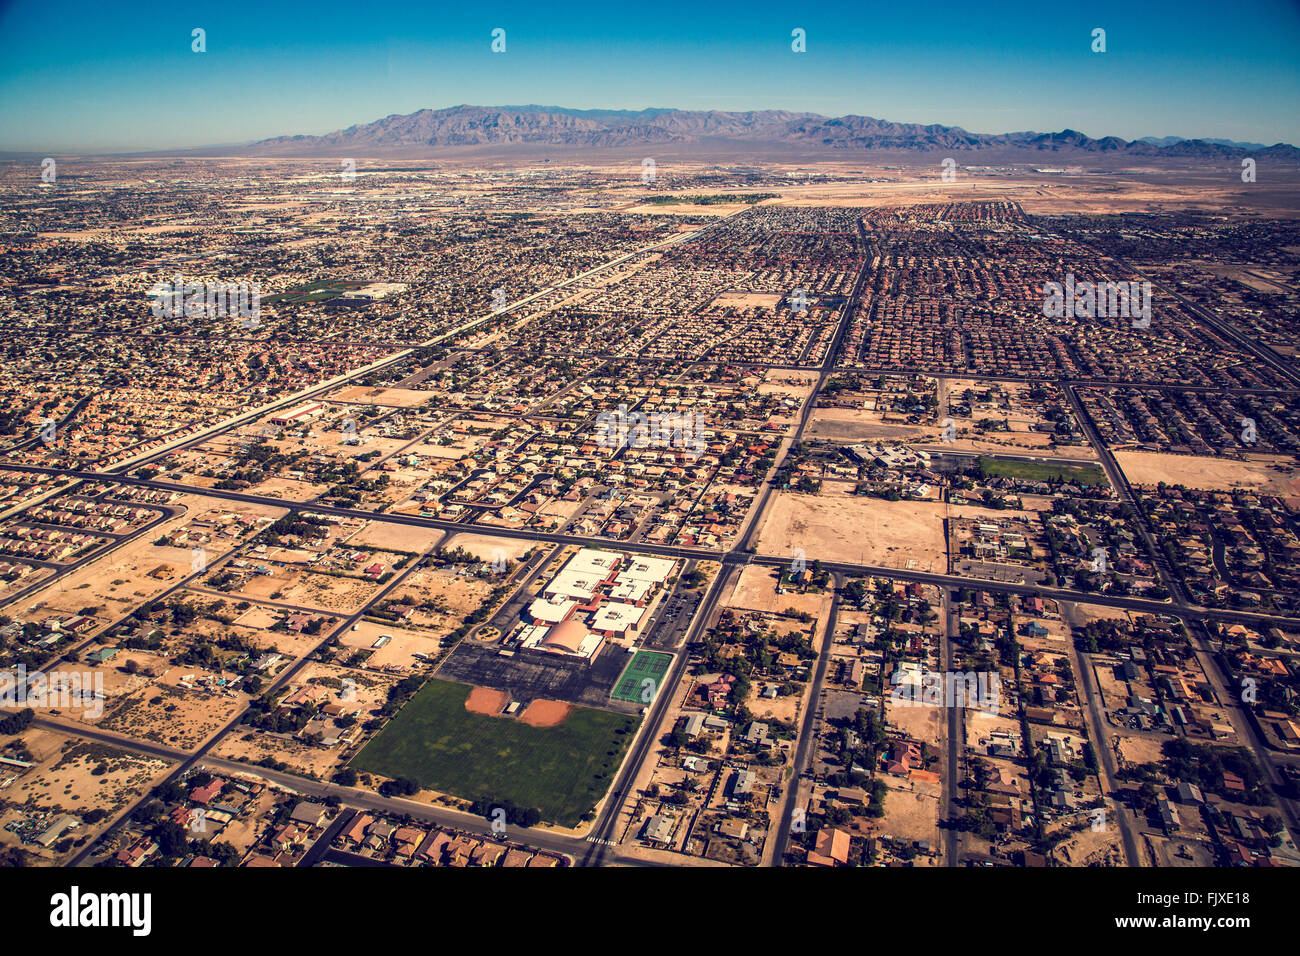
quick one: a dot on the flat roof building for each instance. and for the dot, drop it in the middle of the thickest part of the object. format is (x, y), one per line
(545, 611)
(303, 412)
(614, 618)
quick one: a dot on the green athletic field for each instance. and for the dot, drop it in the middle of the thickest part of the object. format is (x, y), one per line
(1085, 474)
(562, 771)
(645, 664)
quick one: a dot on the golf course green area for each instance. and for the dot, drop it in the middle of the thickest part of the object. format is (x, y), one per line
(1086, 475)
(562, 770)
(645, 665)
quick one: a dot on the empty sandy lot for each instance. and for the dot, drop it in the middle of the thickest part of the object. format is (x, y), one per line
(1091, 848)
(391, 397)
(400, 650)
(87, 776)
(755, 590)
(323, 592)
(856, 424)
(834, 526)
(172, 716)
(386, 535)
(746, 300)
(1138, 750)
(912, 813)
(1197, 471)
(487, 548)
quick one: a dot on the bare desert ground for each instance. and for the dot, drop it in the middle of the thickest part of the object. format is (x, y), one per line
(386, 535)
(834, 526)
(1091, 847)
(391, 397)
(85, 777)
(486, 547)
(755, 590)
(912, 813)
(1136, 749)
(174, 716)
(1207, 473)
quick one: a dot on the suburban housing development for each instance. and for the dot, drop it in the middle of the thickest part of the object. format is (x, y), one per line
(786, 528)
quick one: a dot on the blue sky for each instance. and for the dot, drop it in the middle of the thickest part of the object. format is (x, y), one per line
(112, 76)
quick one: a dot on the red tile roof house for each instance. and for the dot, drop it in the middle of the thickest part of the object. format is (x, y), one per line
(717, 692)
(183, 815)
(408, 840)
(357, 831)
(487, 854)
(201, 795)
(288, 837)
(137, 853)
(516, 857)
(903, 757)
(459, 850)
(831, 847)
(434, 844)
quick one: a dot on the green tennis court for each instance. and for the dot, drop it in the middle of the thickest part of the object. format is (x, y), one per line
(645, 665)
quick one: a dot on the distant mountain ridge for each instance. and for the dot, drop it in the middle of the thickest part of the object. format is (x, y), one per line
(1174, 140)
(558, 126)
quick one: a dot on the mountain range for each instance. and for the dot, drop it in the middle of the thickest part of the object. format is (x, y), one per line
(461, 126)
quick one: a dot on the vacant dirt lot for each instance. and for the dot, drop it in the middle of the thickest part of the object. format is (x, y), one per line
(486, 548)
(396, 537)
(1091, 847)
(398, 652)
(857, 424)
(912, 813)
(87, 777)
(745, 300)
(1138, 750)
(1196, 471)
(171, 716)
(755, 590)
(443, 599)
(324, 592)
(835, 526)
(391, 397)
